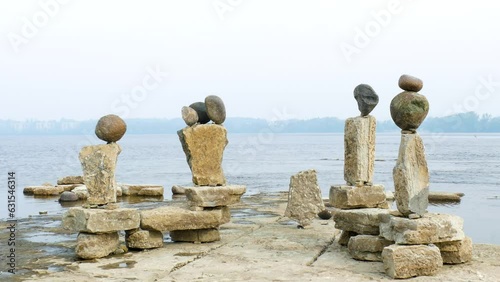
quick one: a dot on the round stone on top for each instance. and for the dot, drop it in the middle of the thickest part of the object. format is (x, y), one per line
(410, 83)
(201, 110)
(189, 115)
(110, 128)
(215, 109)
(366, 97)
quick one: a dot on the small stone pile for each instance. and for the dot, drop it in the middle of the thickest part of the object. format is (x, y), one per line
(423, 241)
(360, 202)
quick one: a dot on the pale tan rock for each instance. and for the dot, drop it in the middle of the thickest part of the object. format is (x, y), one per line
(135, 189)
(430, 229)
(359, 150)
(175, 218)
(204, 146)
(119, 191)
(456, 252)
(81, 191)
(70, 180)
(345, 236)
(99, 165)
(151, 192)
(410, 261)
(178, 190)
(101, 220)
(69, 187)
(350, 197)
(196, 236)
(367, 247)
(219, 196)
(143, 239)
(304, 197)
(43, 190)
(93, 246)
(361, 221)
(411, 176)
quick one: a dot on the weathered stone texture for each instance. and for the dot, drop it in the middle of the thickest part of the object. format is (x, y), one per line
(361, 221)
(456, 252)
(143, 239)
(410, 261)
(205, 196)
(93, 246)
(359, 150)
(196, 236)
(351, 197)
(101, 220)
(304, 197)
(367, 247)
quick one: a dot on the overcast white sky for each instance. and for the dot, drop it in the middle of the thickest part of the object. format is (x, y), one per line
(265, 58)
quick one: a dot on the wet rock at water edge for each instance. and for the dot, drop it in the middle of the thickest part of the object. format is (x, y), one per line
(201, 110)
(366, 97)
(68, 197)
(189, 115)
(410, 83)
(110, 128)
(215, 109)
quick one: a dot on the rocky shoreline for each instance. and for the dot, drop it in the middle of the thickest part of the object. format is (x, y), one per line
(259, 244)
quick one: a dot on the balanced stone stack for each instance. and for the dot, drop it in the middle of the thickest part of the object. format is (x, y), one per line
(204, 144)
(360, 202)
(423, 241)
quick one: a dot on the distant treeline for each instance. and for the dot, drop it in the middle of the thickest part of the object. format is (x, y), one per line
(464, 122)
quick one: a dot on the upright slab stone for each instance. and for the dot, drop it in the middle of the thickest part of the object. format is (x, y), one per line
(360, 221)
(204, 146)
(402, 262)
(304, 197)
(430, 229)
(411, 176)
(101, 220)
(359, 150)
(209, 197)
(367, 247)
(93, 246)
(351, 197)
(99, 165)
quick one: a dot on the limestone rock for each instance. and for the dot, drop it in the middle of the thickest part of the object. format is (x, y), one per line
(216, 110)
(214, 196)
(110, 128)
(178, 190)
(408, 110)
(361, 221)
(43, 190)
(204, 146)
(201, 110)
(70, 180)
(143, 239)
(175, 218)
(359, 150)
(430, 229)
(411, 176)
(456, 252)
(151, 192)
(135, 189)
(367, 247)
(189, 115)
(119, 191)
(410, 83)
(69, 187)
(402, 262)
(101, 220)
(93, 246)
(81, 192)
(366, 97)
(68, 197)
(196, 236)
(99, 165)
(304, 197)
(345, 236)
(349, 197)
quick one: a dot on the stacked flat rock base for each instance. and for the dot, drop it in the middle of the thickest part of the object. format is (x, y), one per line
(204, 146)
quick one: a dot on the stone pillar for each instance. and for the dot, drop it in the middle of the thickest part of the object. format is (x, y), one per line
(304, 198)
(411, 176)
(359, 150)
(99, 165)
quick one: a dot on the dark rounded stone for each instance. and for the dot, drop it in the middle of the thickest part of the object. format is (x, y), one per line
(366, 97)
(408, 110)
(325, 214)
(201, 110)
(189, 115)
(110, 128)
(410, 83)
(215, 109)
(68, 197)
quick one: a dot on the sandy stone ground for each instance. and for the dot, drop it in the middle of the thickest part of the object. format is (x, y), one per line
(258, 245)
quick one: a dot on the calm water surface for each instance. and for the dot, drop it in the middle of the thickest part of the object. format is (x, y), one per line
(465, 163)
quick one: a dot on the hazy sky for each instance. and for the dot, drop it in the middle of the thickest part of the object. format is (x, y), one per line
(272, 59)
